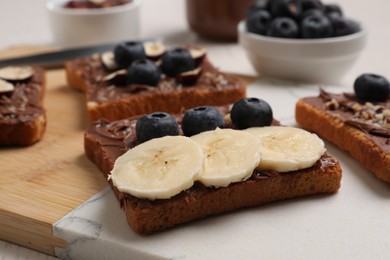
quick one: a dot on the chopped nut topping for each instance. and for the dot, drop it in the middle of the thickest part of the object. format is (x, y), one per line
(332, 105)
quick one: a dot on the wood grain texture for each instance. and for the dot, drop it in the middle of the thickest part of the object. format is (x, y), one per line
(41, 183)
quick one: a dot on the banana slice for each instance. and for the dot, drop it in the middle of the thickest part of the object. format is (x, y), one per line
(159, 168)
(287, 148)
(231, 156)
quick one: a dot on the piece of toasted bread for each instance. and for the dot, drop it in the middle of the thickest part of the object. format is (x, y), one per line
(22, 116)
(117, 102)
(334, 117)
(105, 141)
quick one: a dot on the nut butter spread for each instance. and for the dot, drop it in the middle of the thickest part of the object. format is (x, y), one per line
(371, 118)
(25, 103)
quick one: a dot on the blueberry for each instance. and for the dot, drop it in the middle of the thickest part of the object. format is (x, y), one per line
(316, 26)
(289, 8)
(333, 9)
(311, 12)
(127, 52)
(344, 26)
(372, 88)
(200, 119)
(143, 72)
(176, 61)
(258, 22)
(283, 27)
(311, 4)
(156, 125)
(258, 5)
(251, 112)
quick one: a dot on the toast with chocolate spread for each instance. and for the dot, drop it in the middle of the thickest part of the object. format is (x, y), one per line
(360, 128)
(140, 78)
(22, 116)
(107, 144)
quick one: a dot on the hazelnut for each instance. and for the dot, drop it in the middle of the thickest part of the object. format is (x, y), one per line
(16, 74)
(154, 50)
(108, 60)
(189, 77)
(6, 88)
(198, 55)
(118, 77)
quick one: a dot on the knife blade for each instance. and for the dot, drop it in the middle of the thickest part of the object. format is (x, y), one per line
(55, 59)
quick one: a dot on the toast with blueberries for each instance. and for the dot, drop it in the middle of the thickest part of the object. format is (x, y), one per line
(167, 169)
(22, 116)
(358, 122)
(139, 78)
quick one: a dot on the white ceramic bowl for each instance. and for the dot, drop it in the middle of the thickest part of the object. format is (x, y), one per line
(80, 27)
(306, 60)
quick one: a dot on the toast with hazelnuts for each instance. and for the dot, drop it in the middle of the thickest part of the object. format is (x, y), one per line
(115, 91)
(360, 128)
(113, 146)
(22, 116)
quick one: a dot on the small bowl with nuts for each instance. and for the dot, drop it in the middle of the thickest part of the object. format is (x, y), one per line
(89, 22)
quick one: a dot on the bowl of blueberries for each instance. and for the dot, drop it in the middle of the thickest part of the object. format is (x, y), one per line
(301, 40)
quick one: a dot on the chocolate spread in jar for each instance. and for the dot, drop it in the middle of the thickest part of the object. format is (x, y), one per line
(216, 19)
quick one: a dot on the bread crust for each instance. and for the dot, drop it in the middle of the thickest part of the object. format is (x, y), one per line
(79, 76)
(27, 122)
(146, 216)
(348, 138)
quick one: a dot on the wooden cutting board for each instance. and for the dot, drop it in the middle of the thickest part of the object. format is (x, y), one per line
(42, 183)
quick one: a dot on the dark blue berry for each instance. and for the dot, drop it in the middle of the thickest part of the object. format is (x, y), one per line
(143, 72)
(371, 88)
(258, 5)
(156, 125)
(176, 61)
(344, 26)
(311, 12)
(311, 4)
(333, 9)
(127, 52)
(251, 112)
(288, 8)
(316, 26)
(283, 27)
(200, 119)
(258, 22)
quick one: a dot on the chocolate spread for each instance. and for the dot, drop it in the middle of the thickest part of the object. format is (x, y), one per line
(93, 71)
(119, 136)
(25, 103)
(373, 119)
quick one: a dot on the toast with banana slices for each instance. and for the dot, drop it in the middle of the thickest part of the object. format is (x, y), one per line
(22, 116)
(170, 179)
(140, 78)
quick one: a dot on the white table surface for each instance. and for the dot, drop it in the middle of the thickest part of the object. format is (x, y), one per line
(24, 22)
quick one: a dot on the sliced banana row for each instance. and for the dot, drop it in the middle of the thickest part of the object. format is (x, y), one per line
(163, 167)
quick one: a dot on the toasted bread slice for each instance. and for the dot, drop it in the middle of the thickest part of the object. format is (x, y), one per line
(112, 102)
(352, 126)
(22, 116)
(105, 141)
